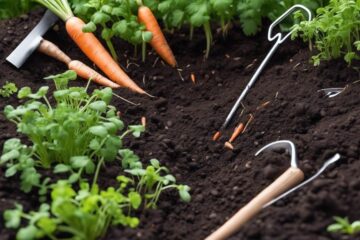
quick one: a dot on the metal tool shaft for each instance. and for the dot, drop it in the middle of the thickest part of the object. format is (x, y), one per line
(249, 85)
(279, 38)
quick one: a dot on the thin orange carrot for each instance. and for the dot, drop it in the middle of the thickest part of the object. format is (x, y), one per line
(87, 73)
(143, 121)
(95, 51)
(89, 44)
(216, 136)
(238, 130)
(48, 48)
(158, 41)
(192, 76)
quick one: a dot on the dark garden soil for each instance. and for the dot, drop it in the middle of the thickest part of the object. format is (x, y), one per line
(184, 116)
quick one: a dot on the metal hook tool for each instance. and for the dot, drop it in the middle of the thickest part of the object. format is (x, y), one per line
(278, 38)
(332, 92)
(274, 192)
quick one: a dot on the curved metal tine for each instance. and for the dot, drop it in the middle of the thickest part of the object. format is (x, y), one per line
(332, 92)
(332, 160)
(278, 36)
(282, 144)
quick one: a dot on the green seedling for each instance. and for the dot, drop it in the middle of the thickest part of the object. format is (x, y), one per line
(85, 214)
(334, 31)
(72, 136)
(8, 89)
(155, 179)
(342, 225)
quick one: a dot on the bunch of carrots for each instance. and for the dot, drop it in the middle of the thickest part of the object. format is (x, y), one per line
(96, 52)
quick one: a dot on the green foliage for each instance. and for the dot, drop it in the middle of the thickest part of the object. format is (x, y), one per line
(334, 32)
(342, 225)
(85, 214)
(8, 89)
(113, 18)
(154, 180)
(119, 18)
(14, 8)
(75, 138)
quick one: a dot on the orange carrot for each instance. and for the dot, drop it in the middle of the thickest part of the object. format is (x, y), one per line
(95, 51)
(216, 136)
(238, 130)
(48, 48)
(192, 76)
(86, 72)
(80, 68)
(158, 41)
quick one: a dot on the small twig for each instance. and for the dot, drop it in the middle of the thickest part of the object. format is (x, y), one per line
(296, 65)
(143, 121)
(251, 118)
(143, 79)
(181, 77)
(155, 62)
(263, 105)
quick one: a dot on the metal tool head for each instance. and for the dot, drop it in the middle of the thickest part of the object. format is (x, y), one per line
(329, 162)
(332, 92)
(32, 40)
(279, 39)
(282, 144)
(278, 36)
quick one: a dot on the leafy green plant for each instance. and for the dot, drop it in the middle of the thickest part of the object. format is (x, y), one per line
(342, 225)
(75, 134)
(334, 31)
(8, 89)
(155, 179)
(85, 214)
(91, 127)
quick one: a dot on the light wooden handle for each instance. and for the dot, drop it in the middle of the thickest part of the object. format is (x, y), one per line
(287, 180)
(53, 51)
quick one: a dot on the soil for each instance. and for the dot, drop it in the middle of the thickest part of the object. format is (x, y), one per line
(184, 116)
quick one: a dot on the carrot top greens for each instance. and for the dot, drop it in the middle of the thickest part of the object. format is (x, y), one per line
(59, 7)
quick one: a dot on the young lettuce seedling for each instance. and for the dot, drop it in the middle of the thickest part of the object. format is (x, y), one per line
(342, 225)
(8, 89)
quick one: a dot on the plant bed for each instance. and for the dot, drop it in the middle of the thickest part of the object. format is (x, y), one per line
(183, 117)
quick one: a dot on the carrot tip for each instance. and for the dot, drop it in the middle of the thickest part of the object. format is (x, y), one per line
(216, 136)
(228, 145)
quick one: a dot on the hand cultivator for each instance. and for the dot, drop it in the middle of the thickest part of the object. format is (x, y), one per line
(279, 39)
(274, 192)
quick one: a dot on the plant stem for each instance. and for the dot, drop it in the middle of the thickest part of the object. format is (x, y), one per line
(208, 35)
(97, 172)
(143, 51)
(112, 50)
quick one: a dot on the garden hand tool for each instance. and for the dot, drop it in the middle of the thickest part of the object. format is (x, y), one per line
(332, 92)
(275, 191)
(32, 41)
(279, 39)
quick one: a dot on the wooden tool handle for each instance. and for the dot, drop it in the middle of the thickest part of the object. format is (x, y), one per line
(287, 180)
(53, 51)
